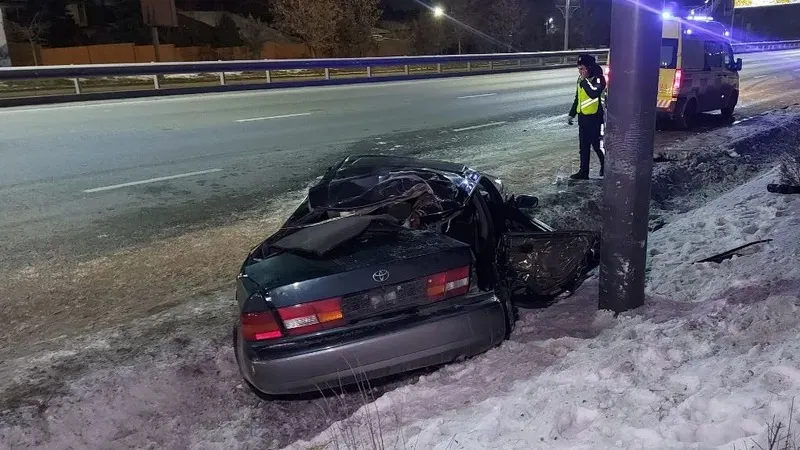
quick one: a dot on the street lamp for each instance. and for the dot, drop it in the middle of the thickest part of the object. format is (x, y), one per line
(438, 11)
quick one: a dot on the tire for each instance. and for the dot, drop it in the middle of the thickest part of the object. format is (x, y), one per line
(252, 388)
(727, 112)
(688, 115)
(510, 309)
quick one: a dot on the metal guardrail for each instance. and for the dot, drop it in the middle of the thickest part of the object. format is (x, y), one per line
(770, 46)
(78, 82)
(49, 84)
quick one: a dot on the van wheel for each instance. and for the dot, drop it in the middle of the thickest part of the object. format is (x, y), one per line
(727, 112)
(686, 119)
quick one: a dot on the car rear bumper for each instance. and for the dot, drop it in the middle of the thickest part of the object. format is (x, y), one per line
(466, 332)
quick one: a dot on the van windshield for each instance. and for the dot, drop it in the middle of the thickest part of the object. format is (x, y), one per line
(669, 53)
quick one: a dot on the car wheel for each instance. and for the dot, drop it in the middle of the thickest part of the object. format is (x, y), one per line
(727, 112)
(686, 119)
(252, 388)
(510, 309)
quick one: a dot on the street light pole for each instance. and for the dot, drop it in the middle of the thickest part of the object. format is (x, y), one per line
(566, 25)
(635, 32)
(566, 10)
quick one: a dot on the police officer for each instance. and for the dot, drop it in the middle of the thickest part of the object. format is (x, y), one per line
(589, 109)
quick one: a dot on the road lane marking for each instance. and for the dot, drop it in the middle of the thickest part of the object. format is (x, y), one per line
(760, 76)
(476, 127)
(151, 180)
(477, 95)
(283, 116)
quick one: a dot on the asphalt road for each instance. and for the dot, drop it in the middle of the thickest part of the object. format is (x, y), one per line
(80, 179)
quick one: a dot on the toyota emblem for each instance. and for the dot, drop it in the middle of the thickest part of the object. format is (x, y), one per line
(381, 276)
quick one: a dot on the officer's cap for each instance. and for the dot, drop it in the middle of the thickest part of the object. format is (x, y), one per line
(587, 60)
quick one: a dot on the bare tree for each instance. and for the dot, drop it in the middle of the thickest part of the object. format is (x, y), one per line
(462, 18)
(357, 20)
(504, 20)
(254, 33)
(314, 21)
(34, 33)
(428, 36)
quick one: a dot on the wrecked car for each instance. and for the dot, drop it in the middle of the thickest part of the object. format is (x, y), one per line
(393, 264)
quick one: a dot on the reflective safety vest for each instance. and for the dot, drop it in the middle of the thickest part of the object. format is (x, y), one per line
(587, 105)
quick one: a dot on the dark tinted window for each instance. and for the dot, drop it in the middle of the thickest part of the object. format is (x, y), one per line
(728, 55)
(669, 53)
(715, 55)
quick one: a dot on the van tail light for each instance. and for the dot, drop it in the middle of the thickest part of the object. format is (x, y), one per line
(448, 284)
(312, 317)
(676, 82)
(607, 72)
(260, 326)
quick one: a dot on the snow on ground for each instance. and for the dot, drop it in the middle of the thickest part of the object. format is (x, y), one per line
(706, 363)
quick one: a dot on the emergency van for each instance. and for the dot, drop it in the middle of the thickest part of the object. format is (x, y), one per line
(698, 72)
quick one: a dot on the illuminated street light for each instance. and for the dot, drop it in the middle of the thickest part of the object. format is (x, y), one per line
(438, 11)
(666, 15)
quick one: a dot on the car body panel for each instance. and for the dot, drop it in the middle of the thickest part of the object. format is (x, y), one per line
(465, 332)
(291, 278)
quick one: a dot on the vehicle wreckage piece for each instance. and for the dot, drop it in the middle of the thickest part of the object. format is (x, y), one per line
(783, 189)
(538, 270)
(731, 253)
(393, 264)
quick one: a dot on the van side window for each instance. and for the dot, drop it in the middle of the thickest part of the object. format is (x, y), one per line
(728, 55)
(715, 56)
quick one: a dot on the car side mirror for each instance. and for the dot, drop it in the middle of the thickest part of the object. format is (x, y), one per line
(738, 64)
(526, 201)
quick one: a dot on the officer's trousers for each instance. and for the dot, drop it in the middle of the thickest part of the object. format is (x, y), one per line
(589, 128)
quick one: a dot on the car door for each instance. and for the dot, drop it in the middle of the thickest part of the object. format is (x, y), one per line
(731, 83)
(537, 267)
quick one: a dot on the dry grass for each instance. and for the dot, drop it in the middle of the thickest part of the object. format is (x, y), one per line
(45, 302)
(780, 435)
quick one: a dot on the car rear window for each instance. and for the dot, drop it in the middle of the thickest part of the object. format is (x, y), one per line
(669, 53)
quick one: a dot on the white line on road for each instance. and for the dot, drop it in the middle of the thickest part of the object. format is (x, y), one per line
(478, 95)
(760, 76)
(151, 180)
(479, 126)
(284, 116)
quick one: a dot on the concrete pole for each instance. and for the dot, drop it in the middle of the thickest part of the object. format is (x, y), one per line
(631, 119)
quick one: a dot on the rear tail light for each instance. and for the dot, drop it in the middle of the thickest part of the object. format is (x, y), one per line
(448, 284)
(260, 326)
(607, 72)
(676, 82)
(312, 317)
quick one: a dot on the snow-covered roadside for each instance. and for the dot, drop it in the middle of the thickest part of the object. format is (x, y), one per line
(707, 363)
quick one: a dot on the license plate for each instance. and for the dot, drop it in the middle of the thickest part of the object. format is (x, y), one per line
(382, 299)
